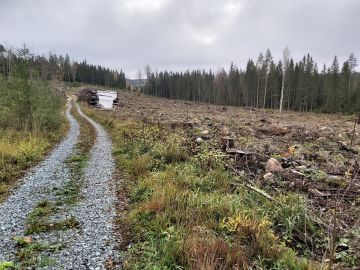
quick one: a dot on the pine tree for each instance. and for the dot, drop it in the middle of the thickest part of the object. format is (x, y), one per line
(266, 67)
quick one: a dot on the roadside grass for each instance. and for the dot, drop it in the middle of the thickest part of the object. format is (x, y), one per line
(186, 211)
(20, 150)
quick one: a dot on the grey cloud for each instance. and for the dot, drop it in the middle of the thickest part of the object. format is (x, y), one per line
(182, 34)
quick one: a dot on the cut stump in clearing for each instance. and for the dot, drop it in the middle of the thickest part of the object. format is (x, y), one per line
(227, 143)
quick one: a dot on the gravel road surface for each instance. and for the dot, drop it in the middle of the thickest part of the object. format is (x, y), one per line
(92, 244)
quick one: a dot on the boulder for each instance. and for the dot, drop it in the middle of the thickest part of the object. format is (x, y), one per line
(272, 165)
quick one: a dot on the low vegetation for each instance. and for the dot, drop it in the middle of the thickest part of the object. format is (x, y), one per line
(30, 254)
(21, 150)
(31, 123)
(318, 154)
(38, 222)
(6, 265)
(187, 211)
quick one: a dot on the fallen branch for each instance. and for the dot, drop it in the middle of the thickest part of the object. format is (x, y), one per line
(317, 193)
(297, 173)
(259, 191)
(233, 151)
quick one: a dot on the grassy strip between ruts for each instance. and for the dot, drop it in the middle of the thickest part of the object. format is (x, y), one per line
(188, 212)
(30, 252)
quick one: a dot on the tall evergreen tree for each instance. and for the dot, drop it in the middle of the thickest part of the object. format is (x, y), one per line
(267, 62)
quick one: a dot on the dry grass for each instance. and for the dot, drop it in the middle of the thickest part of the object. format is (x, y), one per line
(140, 165)
(208, 252)
(19, 151)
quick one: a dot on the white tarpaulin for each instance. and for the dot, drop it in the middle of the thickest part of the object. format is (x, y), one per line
(106, 98)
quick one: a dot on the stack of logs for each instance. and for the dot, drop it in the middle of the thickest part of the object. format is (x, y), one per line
(93, 99)
(90, 96)
(116, 104)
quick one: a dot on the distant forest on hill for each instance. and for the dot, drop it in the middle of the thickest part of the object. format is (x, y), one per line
(305, 85)
(60, 67)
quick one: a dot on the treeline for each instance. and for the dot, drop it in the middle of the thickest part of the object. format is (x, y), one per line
(60, 67)
(305, 87)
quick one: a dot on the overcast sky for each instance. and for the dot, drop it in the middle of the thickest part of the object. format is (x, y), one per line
(182, 34)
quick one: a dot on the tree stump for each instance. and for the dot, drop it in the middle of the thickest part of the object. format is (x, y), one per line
(227, 143)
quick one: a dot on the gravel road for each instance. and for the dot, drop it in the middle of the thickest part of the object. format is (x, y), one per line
(92, 245)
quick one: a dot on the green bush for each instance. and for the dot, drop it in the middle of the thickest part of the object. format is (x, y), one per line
(29, 105)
